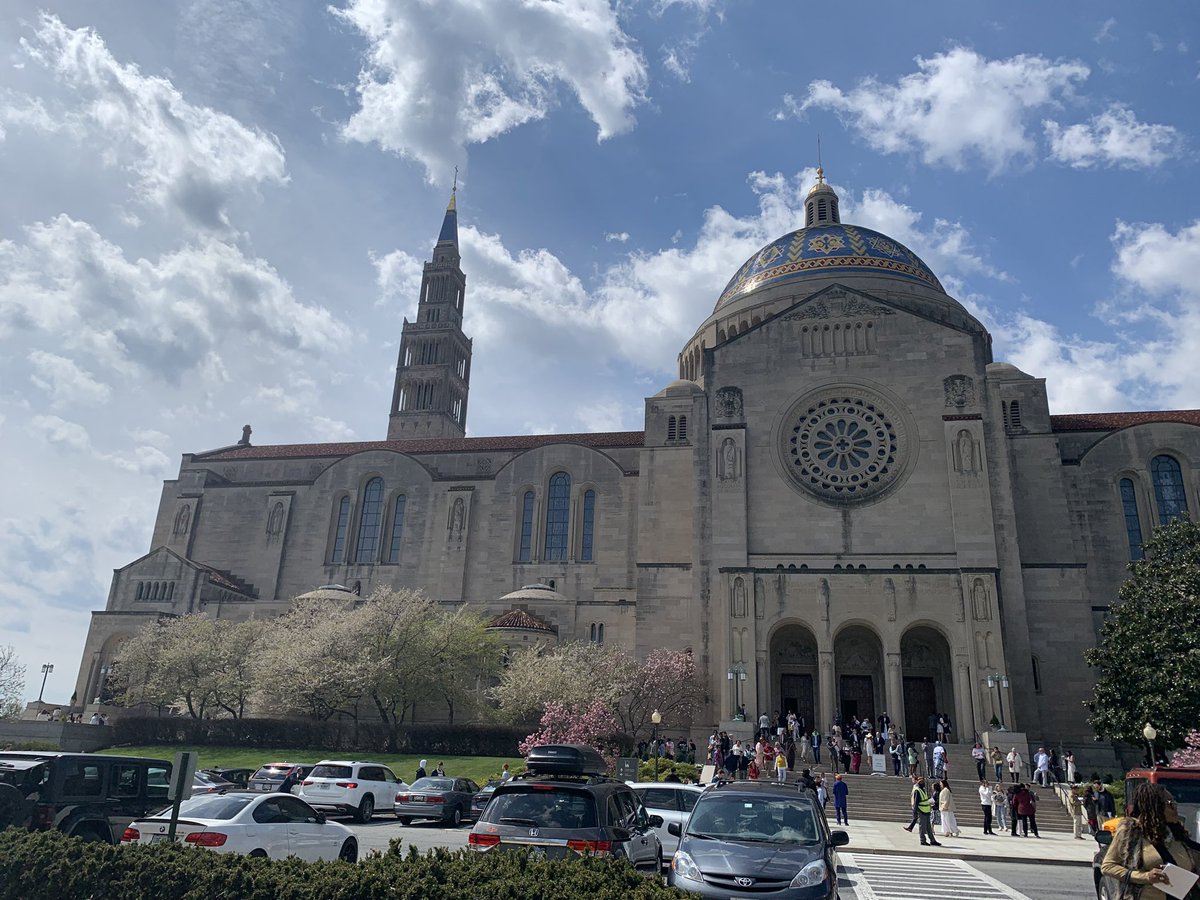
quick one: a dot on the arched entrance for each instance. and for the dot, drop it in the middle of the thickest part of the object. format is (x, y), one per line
(928, 686)
(858, 664)
(794, 672)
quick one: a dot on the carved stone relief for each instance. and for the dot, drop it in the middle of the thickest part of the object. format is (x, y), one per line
(834, 306)
(889, 598)
(796, 652)
(960, 391)
(458, 513)
(739, 598)
(856, 654)
(275, 519)
(823, 593)
(483, 465)
(729, 459)
(981, 607)
(760, 600)
(917, 654)
(729, 403)
(966, 456)
(183, 519)
(960, 609)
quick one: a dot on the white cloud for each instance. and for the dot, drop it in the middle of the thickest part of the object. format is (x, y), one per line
(59, 431)
(184, 157)
(1114, 138)
(439, 76)
(619, 236)
(1105, 32)
(66, 381)
(1151, 258)
(958, 105)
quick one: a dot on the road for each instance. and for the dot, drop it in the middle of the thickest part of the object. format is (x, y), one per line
(863, 876)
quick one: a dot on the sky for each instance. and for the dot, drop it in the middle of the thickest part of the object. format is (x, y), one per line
(214, 213)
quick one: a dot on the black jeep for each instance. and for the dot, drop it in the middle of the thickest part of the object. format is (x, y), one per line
(89, 795)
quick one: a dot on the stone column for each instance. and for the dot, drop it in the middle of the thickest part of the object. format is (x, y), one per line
(964, 725)
(825, 688)
(893, 678)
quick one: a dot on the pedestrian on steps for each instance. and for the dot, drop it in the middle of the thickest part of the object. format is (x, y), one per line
(997, 759)
(999, 805)
(948, 811)
(1014, 765)
(922, 809)
(980, 756)
(985, 803)
(841, 791)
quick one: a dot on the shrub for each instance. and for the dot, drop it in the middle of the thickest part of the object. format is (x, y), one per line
(51, 866)
(686, 771)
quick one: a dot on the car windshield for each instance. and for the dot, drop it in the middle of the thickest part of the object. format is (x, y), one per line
(330, 772)
(223, 807)
(541, 808)
(433, 784)
(772, 820)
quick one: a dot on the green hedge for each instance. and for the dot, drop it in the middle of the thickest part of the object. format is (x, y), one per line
(51, 866)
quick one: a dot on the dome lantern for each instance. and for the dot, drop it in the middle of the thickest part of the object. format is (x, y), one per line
(821, 206)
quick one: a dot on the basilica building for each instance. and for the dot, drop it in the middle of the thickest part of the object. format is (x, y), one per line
(843, 506)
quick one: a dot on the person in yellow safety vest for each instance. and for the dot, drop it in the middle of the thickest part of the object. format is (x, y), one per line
(922, 807)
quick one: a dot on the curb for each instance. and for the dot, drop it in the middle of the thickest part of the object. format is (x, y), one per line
(968, 857)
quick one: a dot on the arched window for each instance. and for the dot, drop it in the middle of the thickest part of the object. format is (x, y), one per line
(523, 553)
(600, 633)
(1133, 524)
(397, 528)
(683, 428)
(370, 521)
(141, 590)
(671, 428)
(1168, 488)
(592, 633)
(339, 534)
(558, 516)
(589, 526)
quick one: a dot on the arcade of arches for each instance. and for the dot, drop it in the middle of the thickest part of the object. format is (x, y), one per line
(860, 677)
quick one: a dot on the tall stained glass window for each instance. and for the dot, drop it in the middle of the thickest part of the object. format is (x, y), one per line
(370, 522)
(589, 526)
(397, 529)
(339, 534)
(1168, 488)
(558, 515)
(1133, 524)
(525, 551)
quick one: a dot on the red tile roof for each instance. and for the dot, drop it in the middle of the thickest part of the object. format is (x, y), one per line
(1115, 420)
(599, 440)
(519, 619)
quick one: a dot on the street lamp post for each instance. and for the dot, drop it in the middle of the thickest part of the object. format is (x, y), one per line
(47, 668)
(737, 674)
(656, 718)
(1001, 682)
(1150, 733)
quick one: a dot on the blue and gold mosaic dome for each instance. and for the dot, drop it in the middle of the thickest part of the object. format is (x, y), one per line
(823, 250)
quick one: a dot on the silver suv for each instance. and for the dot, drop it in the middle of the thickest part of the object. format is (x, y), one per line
(350, 788)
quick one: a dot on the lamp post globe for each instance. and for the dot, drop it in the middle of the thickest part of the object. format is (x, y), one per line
(1150, 733)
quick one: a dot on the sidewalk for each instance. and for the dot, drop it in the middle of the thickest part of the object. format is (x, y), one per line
(1052, 848)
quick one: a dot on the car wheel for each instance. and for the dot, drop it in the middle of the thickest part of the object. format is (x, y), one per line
(405, 820)
(91, 834)
(349, 851)
(456, 817)
(366, 809)
(260, 853)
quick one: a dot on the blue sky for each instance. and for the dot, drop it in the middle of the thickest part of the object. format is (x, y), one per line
(215, 214)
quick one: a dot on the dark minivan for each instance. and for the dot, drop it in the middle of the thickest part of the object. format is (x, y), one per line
(89, 795)
(757, 839)
(566, 806)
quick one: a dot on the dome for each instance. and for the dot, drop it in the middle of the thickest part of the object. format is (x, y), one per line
(330, 592)
(827, 249)
(680, 387)
(520, 620)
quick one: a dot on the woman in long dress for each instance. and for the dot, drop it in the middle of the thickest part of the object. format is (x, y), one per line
(946, 806)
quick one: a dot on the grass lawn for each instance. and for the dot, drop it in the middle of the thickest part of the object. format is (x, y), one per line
(477, 768)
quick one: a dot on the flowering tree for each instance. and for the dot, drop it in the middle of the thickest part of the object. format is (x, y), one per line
(593, 725)
(1190, 754)
(575, 674)
(667, 681)
(12, 684)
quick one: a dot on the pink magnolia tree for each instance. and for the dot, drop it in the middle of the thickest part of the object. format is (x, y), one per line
(562, 723)
(1190, 754)
(667, 681)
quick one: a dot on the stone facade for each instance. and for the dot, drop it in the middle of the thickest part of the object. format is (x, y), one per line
(843, 496)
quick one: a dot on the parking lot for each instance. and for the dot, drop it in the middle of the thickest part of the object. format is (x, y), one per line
(422, 835)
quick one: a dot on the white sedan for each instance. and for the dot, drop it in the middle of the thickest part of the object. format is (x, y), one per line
(274, 825)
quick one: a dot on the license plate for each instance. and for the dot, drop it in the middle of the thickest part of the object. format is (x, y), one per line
(418, 798)
(537, 853)
(155, 838)
(324, 787)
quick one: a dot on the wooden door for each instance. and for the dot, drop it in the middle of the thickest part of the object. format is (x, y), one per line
(796, 695)
(858, 697)
(920, 702)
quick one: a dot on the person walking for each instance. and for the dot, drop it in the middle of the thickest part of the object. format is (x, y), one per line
(780, 766)
(980, 756)
(822, 793)
(895, 750)
(911, 753)
(841, 791)
(815, 741)
(855, 759)
(1041, 760)
(939, 760)
(997, 759)
(927, 755)
(1148, 840)
(935, 796)
(985, 803)
(948, 811)
(1014, 765)
(922, 809)
(1026, 804)
(1106, 807)
(1069, 759)
(999, 805)
(421, 773)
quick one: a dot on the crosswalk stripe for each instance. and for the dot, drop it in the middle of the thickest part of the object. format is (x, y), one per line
(884, 877)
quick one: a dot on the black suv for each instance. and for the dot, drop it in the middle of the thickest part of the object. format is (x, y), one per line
(756, 839)
(89, 795)
(567, 806)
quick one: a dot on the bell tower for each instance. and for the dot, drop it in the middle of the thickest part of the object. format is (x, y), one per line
(433, 372)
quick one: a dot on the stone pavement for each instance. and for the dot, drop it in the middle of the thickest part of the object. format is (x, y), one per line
(1052, 848)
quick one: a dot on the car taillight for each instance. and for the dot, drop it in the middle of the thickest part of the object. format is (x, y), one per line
(206, 838)
(347, 784)
(596, 848)
(482, 840)
(402, 798)
(306, 783)
(131, 834)
(434, 798)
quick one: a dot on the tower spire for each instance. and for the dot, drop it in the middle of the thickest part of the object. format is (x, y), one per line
(449, 232)
(821, 205)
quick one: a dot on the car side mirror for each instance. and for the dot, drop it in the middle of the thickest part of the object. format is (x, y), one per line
(838, 839)
(320, 817)
(673, 829)
(656, 821)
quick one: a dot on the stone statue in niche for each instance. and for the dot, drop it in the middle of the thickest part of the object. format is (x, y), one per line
(739, 597)
(760, 600)
(823, 591)
(960, 610)
(980, 607)
(964, 453)
(729, 403)
(183, 519)
(458, 512)
(728, 460)
(275, 520)
(889, 598)
(960, 391)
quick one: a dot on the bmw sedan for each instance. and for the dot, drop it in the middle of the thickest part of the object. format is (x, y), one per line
(273, 825)
(447, 799)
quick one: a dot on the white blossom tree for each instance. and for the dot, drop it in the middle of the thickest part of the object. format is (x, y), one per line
(12, 684)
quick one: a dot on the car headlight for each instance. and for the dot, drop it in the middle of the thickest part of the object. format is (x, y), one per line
(685, 867)
(812, 874)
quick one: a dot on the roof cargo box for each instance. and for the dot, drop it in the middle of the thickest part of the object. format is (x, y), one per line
(565, 759)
